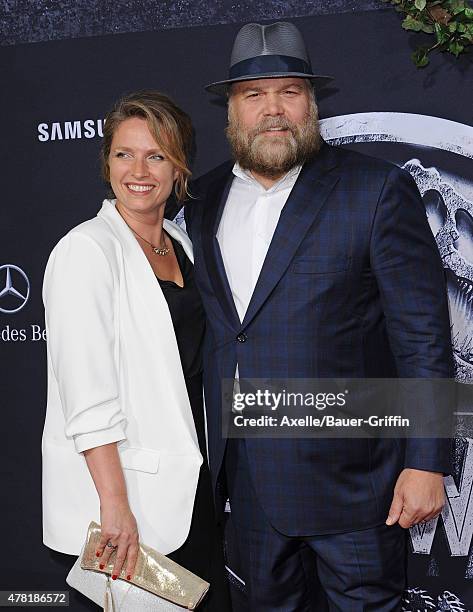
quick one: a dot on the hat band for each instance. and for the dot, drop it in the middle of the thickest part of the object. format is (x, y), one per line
(268, 63)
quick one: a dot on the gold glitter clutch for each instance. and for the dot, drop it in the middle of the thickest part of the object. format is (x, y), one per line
(154, 573)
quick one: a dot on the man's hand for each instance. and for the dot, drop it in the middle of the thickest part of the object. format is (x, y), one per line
(419, 496)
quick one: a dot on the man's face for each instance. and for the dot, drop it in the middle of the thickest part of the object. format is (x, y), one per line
(272, 124)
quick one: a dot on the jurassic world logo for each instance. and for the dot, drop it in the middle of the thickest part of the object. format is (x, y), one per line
(418, 600)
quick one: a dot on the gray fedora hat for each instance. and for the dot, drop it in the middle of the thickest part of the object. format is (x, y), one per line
(268, 51)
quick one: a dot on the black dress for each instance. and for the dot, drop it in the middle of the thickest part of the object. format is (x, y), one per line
(202, 552)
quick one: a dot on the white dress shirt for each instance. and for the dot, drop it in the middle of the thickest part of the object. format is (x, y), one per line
(246, 229)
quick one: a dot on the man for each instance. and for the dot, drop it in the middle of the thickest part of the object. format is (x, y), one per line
(315, 262)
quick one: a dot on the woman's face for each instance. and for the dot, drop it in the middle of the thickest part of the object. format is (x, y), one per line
(141, 176)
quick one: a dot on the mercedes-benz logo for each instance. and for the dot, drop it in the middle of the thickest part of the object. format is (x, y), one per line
(14, 289)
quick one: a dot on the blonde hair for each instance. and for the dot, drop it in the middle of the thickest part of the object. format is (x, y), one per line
(170, 126)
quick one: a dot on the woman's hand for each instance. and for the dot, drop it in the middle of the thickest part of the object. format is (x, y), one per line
(120, 529)
(117, 521)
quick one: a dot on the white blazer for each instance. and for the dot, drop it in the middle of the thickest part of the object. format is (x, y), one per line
(114, 375)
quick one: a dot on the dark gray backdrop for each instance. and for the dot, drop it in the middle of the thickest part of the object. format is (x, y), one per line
(51, 185)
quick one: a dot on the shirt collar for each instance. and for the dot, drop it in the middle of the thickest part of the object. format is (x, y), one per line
(285, 181)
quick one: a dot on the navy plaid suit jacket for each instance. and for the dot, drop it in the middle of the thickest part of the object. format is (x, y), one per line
(352, 286)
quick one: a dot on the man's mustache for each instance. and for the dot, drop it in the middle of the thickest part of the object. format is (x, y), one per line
(268, 124)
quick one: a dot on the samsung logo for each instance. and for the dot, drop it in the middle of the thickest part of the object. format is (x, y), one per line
(70, 130)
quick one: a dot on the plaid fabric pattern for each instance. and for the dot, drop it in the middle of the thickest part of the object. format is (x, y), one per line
(352, 286)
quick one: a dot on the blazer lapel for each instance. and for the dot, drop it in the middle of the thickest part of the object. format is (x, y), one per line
(141, 281)
(143, 274)
(180, 235)
(213, 209)
(306, 199)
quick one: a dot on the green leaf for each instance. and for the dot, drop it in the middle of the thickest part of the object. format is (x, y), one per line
(456, 6)
(427, 28)
(410, 23)
(456, 48)
(420, 58)
(442, 33)
(451, 21)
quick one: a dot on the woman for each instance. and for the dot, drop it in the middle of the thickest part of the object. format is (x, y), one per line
(125, 433)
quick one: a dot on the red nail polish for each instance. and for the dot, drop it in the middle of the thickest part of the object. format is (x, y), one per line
(114, 577)
(97, 554)
(101, 566)
(128, 577)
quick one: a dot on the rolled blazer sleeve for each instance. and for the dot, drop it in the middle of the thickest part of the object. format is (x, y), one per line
(410, 278)
(82, 332)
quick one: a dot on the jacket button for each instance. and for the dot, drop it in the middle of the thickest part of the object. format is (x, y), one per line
(242, 337)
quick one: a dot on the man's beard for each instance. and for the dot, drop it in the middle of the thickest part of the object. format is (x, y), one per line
(273, 156)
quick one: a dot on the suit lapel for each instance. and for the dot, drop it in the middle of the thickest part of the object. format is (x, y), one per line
(180, 235)
(141, 287)
(213, 209)
(305, 201)
(143, 274)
